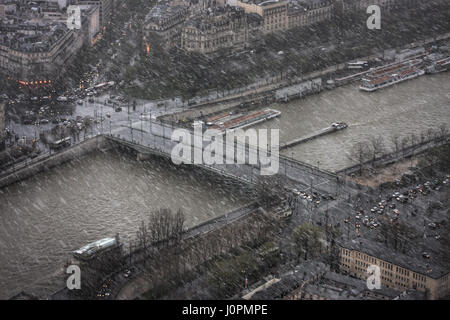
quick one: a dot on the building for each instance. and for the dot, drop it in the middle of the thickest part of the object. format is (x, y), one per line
(216, 29)
(315, 281)
(51, 10)
(273, 13)
(106, 8)
(35, 54)
(90, 23)
(166, 22)
(306, 12)
(282, 15)
(7, 7)
(398, 270)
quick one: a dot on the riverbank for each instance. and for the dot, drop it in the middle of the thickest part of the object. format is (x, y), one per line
(48, 161)
(327, 43)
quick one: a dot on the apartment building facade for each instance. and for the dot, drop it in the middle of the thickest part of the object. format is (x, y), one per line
(273, 13)
(393, 275)
(225, 28)
(282, 15)
(34, 55)
(166, 21)
(105, 10)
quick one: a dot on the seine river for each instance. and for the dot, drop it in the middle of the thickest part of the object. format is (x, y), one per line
(409, 107)
(44, 218)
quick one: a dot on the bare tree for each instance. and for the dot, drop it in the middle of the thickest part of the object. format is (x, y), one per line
(360, 153)
(443, 131)
(377, 147)
(396, 142)
(163, 228)
(422, 137)
(404, 144)
(430, 134)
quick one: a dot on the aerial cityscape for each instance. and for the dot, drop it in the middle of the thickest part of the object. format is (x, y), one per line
(224, 150)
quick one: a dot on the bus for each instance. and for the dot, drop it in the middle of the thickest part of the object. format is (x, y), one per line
(65, 142)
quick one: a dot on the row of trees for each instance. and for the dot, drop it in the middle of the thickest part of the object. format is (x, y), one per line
(163, 228)
(368, 151)
(170, 257)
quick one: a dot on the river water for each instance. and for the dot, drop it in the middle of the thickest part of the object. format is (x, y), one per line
(409, 107)
(44, 218)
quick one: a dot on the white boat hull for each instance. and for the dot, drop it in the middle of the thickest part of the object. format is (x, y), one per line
(388, 84)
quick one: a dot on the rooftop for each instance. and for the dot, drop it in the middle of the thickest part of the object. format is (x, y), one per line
(315, 278)
(31, 37)
(163, 11)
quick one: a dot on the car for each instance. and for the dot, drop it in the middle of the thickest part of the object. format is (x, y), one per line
(80, 102)
(44, 121)
(425, 255)
(147, 116)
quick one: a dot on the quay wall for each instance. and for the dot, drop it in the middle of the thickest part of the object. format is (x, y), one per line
(53, 160)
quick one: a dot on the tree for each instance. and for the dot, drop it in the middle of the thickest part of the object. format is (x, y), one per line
(360, 153)
(270, 188)
(443, 131)
(307, 239)
(396, 142)
(162, 229)
(377, 147)
(396, 234)
(404, 144)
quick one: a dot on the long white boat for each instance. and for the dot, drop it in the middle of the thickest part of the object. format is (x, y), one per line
(230, 122)
(384, 81)
(439, 66)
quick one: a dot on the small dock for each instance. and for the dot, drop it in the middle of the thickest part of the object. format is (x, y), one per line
(337, 126)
